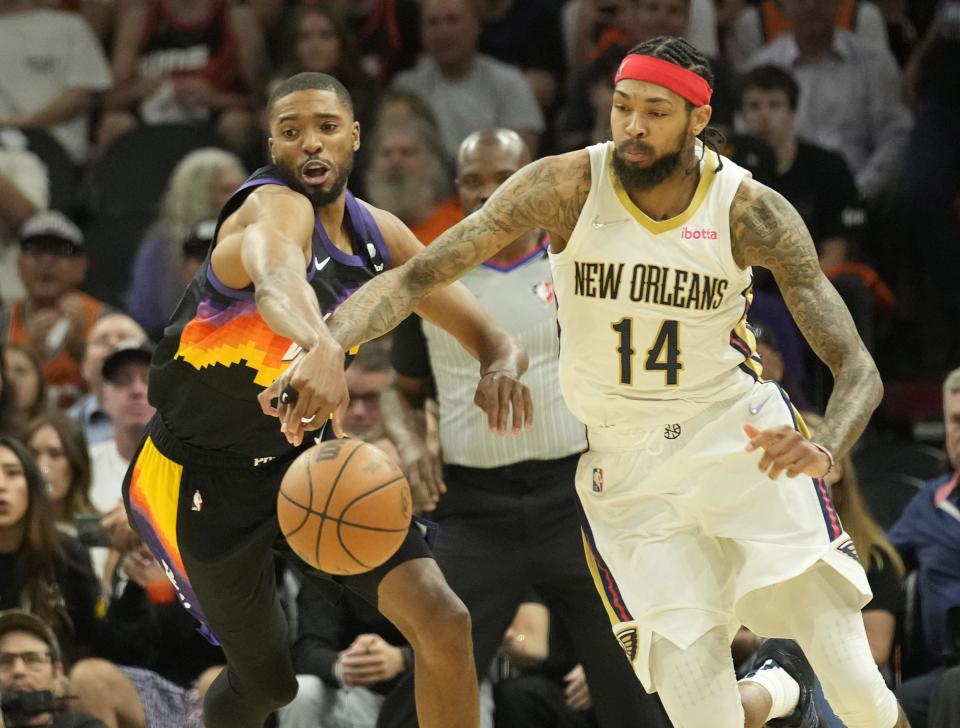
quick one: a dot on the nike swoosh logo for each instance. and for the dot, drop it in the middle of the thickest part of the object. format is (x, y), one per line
(598, 224)
(318, 265)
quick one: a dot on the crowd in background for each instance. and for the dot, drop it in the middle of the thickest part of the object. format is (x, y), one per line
(126, 124)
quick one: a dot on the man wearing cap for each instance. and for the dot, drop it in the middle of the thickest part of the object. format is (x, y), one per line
(54, 317)
(31, 675)
(124, 398)
(702, 499)
(109, 331)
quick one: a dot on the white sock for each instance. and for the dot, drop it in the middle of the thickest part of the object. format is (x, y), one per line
(784, 690)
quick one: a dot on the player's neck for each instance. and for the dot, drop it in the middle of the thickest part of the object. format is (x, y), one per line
(672, 196)
(331, 217)
(519, 248)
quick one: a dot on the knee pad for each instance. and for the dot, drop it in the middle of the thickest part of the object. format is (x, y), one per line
(697, 685)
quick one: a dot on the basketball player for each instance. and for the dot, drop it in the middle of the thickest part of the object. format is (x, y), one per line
(291, 245)
(703, 500)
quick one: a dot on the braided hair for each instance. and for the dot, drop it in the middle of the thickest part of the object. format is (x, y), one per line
(677, 51)
(680, 52)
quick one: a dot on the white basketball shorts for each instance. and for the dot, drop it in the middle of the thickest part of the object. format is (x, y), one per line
(683, 533)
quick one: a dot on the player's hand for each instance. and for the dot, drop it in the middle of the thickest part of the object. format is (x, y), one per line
(786, 450)
(370, 660)
(424, 472)
(497, 394)
(576, 691)
(308, 392)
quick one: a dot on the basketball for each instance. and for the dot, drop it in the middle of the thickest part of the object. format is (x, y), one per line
(344, 507)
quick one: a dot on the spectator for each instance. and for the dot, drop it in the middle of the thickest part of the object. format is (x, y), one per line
(24, 191)
(200, 185)
(107, 333)
(389, 35)
(154, 666)
(758, 24)
(849, 92)
(347, 657)
(780, 347)
(591, 26)
(369, 375)
(124, 397)
(506, 36)
(60, 449)
(585, 118)
(544, 686)
(26, 381)
(54, 318)
(177, 61)
(927, 535)
(408, 177)
(818, 183)
(31, 675)
(318, 38)
(101, 15)
(53, 67)
(9, 421)
(467, 90)
(43, 571)
(398, 106)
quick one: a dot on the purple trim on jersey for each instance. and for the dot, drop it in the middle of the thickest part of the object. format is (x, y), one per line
(258, 182)
(359, 213)
(610, 588)
(223, 289)
(830, 517)
(507, 267)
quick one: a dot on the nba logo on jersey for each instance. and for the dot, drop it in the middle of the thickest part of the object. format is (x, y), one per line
(197, 502)
(598, 480)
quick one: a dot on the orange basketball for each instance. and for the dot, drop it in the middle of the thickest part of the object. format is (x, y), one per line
(344, 507)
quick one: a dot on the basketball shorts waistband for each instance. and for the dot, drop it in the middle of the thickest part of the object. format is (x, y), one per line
(185, 454)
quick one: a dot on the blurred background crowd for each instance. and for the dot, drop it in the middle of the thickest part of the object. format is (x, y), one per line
(126, 124)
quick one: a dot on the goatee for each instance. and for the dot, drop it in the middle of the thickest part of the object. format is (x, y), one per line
(318, 196)
(635, 177)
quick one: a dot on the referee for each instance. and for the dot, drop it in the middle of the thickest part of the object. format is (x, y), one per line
(506, 507)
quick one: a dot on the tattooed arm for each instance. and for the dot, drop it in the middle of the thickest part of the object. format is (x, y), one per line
(768, 232)
(548, 193)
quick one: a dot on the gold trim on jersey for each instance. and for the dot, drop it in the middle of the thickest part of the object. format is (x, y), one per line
(744, 334)
(710, 166)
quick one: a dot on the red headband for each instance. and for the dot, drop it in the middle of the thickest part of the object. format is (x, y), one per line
(682, 82)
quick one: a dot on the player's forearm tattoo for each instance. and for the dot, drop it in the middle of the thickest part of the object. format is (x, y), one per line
(548, 193)
(768, 232)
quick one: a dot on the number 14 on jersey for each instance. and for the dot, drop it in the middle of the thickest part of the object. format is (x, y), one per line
(662, 356)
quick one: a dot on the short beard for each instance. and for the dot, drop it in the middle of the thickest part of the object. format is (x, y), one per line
(635, 177)
(318, 196)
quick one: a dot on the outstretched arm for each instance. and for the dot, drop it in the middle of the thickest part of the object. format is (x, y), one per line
(768, 232)
(267, 243)
(547, 193)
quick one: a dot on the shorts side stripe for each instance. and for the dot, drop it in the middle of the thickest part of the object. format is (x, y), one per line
(154, 495)
(830, 517)
(603, 579)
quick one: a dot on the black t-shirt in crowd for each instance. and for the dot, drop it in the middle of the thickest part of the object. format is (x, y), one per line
(528, 36)
(819, 184)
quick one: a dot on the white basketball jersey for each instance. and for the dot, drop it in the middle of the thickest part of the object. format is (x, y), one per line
(653, 313)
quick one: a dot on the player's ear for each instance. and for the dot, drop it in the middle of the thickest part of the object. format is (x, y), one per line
(270, 147)
(356, 135)
(700, 118)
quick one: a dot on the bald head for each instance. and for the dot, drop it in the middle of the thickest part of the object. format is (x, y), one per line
(485, 161)
(488, 142)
